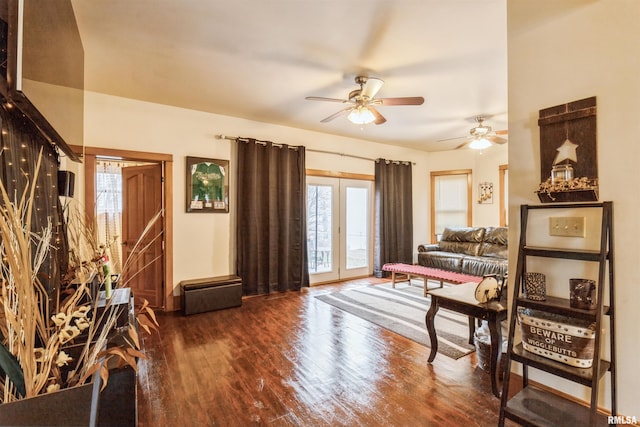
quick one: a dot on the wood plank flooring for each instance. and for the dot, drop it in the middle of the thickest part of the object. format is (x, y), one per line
(292, 360)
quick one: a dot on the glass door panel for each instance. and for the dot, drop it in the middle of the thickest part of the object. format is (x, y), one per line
(356, 212)
(322, 227)
(339, 228)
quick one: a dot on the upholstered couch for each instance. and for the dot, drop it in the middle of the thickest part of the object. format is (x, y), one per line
(469, 250)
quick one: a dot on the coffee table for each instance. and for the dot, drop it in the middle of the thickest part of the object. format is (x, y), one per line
(461, 299)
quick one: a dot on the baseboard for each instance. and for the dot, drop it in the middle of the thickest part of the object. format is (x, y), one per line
(339, 280)
(176, 303)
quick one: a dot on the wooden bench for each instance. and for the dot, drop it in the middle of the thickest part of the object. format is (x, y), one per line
(428, 273)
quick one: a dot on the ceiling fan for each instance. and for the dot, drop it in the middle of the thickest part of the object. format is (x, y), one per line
(481, 136)
(362, 102)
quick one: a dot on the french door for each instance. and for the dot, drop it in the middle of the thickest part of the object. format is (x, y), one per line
(339, 228)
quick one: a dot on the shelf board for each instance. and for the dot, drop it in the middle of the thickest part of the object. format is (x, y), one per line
(582, 376)
(576, 254)
(580, 195)
(569, 205)
(561, 306)
(535, 407)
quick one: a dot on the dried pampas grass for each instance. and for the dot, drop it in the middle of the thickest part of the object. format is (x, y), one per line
(34, 343)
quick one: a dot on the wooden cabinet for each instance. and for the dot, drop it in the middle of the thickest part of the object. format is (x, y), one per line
(533, 405)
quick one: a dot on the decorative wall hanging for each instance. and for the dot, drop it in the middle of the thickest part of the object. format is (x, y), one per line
(207, 185)
(568, 152)
(485, 191)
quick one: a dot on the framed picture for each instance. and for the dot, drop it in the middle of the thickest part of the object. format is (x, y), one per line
(485, 192)
(207, 185)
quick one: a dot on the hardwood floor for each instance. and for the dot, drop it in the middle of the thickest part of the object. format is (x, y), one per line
(292, 360)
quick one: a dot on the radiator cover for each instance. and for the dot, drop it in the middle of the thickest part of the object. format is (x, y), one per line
(211, 293)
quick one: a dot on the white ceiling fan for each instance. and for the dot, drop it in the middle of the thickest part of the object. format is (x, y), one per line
(481, 136)
(363, 104)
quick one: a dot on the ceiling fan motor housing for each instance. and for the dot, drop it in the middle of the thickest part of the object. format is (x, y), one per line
(480, 130)
(355, 94)
(361, 80)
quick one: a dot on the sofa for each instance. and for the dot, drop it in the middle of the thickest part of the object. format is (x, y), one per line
(470, 250)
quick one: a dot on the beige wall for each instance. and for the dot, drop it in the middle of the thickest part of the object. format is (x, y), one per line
(202, 242)
(561, 51)
(485, 166)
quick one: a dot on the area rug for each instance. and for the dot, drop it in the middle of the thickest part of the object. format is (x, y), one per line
(402, 310)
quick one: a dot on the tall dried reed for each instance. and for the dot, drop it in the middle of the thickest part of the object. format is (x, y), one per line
(34, 345)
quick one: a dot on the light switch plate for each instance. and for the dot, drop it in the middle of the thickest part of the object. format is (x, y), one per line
(570, 226)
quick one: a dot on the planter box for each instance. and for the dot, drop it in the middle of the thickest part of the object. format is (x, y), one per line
(564, 339)
(83, 406)
(75, 406)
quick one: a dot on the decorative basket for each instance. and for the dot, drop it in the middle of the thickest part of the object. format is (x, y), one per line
(561, 338)
(483, 352)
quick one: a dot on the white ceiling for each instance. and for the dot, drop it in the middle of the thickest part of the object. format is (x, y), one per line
(258, 59)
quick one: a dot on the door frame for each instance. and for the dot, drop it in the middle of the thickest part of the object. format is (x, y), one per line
(89, 154)
(332, 275)
(353, 176)
(503, 171)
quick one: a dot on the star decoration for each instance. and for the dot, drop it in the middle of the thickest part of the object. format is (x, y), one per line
(567, 151)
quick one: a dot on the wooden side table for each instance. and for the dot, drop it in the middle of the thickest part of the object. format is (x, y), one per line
(461, 299)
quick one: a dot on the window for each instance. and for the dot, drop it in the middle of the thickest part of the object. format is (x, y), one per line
(108, 187)
(450, 201)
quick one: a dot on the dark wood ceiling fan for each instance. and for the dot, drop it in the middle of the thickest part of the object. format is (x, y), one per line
(362, 102)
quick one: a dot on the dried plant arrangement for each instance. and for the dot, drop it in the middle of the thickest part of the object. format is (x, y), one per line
(45, 347)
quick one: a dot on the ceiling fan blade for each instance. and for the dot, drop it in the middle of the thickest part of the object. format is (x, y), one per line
(464, 144)
(379, 117)
(502, 132)
(498, 140)
(371, 87)
(320, 98)
(451, 139)
(335, 115)
(409, 100)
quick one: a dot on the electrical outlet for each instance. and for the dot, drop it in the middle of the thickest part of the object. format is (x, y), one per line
(571, 226)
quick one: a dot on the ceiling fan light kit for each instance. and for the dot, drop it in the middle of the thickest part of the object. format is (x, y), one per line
(480, 144)
(361, 116)
(363, 100)
(481, 136)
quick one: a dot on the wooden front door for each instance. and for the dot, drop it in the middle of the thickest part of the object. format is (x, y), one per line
(141, 201)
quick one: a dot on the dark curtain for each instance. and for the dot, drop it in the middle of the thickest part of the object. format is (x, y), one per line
(272, 219)
(21, 143)
(393, 215)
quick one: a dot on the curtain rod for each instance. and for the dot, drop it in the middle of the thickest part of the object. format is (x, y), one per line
(238, 138)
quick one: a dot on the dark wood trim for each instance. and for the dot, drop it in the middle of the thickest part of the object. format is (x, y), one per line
(90, 189)
(169, 300)
(89, 157)
(573, 115)
(504, 214)
(122, 154)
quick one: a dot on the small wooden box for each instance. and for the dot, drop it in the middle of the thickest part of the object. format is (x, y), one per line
(211, 293)
(566, 340)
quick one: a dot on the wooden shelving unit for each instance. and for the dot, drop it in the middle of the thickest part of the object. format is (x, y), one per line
(533, 406)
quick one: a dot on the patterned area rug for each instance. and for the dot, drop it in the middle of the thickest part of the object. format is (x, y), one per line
(402, 310)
